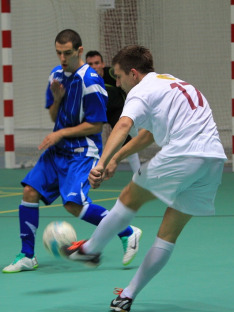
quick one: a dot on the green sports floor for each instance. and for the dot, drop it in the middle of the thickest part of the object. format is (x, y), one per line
(198, 278)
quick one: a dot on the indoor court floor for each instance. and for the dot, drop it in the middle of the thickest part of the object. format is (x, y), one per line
(198, 278)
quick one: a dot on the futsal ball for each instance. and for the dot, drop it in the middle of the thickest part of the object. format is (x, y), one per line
(56, 235)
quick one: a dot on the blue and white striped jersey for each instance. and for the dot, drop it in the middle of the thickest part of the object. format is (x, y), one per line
(84, 101)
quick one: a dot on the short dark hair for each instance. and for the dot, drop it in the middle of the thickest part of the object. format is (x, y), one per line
(93, 53)
(69, 35)
(134, 56)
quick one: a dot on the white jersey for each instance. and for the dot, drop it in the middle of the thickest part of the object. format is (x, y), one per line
(177, 114)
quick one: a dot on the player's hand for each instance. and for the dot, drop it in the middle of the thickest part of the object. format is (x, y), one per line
(96, 176)
(50, 139)
(110, 169)
(57, 90)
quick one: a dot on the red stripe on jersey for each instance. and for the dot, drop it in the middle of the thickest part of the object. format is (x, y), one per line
(7, 73)
(232, 2)
(9, 143)
(8, 108)
(6, 39)
(6, 6)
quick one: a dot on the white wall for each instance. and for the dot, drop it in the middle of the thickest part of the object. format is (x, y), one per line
(188, 38)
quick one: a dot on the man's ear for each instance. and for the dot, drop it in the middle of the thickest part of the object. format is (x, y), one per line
(80, 51)
(134, 73)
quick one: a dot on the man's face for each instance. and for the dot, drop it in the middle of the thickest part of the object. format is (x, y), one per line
(125, 81)
(68, 56)
(96, 63)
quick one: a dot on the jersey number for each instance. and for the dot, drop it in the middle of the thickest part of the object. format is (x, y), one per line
(185, 93)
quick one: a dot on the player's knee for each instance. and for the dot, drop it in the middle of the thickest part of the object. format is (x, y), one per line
(30, 194)
(128, 199)
(170, 236)
(134, 196)
(73, 208)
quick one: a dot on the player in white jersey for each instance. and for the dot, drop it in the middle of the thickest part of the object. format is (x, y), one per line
(185, 174)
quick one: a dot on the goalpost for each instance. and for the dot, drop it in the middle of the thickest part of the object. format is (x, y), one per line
(189, 39)
(7, 92)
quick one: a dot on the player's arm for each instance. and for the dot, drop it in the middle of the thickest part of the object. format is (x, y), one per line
(136, 144)
(113, 144)
(58, 92)
(54, 110)
(116, 140)
(83, 129)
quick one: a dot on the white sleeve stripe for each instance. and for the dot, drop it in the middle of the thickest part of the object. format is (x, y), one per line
(94, 89)
(51, 77)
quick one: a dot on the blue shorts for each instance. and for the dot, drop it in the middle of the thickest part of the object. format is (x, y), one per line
(57, 175)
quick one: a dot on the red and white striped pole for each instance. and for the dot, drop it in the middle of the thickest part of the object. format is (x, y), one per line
(7, 84)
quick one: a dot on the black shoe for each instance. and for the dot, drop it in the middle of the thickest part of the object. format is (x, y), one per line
(75, 253)
(120, 304)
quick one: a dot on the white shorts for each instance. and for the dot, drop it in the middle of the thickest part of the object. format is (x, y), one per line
(187, 184)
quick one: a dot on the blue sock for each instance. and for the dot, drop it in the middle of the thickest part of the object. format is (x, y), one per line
(29, 219)
(94, 214)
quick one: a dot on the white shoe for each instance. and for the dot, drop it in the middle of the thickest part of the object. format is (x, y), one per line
(131, 245)
(21, 263)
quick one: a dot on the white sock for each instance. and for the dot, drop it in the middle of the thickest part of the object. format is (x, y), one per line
(27, 204)
(134, 162)
(116, 221)
(154, 261)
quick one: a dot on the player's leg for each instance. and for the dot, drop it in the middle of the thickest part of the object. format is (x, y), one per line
(172, 225)
(74, 189)
(29, 219)
(197, 198)
(154, 261)
(160, 252)
(39, 183)
(131, 198)
(93, 214)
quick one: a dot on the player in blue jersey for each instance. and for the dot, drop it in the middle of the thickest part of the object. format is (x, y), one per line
(76, 99)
